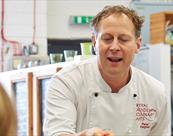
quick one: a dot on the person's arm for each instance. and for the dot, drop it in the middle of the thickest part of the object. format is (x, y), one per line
(60, 109)
(61, 114)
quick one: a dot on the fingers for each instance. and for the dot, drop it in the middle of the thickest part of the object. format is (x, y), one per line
(109, 133)
(98, 132)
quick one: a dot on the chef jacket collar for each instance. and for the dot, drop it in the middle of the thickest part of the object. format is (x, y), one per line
(103, 86)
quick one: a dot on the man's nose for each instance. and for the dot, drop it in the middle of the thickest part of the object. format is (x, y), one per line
(115, 45)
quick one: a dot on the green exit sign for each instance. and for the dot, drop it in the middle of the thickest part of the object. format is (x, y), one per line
(80, 20)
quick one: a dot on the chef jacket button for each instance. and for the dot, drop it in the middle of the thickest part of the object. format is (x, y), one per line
(129, 131)
(96, 94)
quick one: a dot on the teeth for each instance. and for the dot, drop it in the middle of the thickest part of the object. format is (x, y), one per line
(115, 59)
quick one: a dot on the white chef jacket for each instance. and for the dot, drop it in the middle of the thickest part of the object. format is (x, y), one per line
(78, 98)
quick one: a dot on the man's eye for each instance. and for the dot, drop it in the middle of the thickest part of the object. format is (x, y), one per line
(107, 39)
(124, 39)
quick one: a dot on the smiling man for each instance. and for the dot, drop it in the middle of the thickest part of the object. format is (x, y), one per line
(115, 43)
(105, 95)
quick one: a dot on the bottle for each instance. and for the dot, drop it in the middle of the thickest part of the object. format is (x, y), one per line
(25, 51)
(33, 49)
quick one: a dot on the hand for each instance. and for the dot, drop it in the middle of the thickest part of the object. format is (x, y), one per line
(96, 132)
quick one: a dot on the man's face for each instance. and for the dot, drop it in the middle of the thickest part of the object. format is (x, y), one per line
(116, 44)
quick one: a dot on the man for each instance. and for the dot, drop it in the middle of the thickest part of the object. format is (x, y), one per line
(106, 96)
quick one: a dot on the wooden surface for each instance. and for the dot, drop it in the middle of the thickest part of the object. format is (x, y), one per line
(28, 82)
(22, 88)
(41, 79)
(158, 26)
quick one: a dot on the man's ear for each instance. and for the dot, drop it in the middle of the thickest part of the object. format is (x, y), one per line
(93, 39)
(138, 44)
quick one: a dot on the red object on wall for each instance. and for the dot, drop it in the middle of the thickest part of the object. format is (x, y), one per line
(16, 46)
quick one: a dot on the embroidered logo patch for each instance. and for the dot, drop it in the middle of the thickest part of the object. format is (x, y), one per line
(145, 115)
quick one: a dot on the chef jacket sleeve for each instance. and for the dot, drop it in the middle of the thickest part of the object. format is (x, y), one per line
(60, 109)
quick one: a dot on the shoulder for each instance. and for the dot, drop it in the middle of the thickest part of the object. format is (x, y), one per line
(80, 67)
(71, 79)
(76, 72)
(148, 83)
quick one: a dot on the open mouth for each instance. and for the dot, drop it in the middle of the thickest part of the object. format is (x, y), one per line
(114, 59)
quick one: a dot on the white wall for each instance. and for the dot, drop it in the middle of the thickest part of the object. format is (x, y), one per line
(160, 67)
(60, 10)
(160, 64)
(19, 22)
(52, 18)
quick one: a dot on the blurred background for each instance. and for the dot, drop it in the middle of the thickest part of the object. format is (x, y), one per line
(47, 33)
